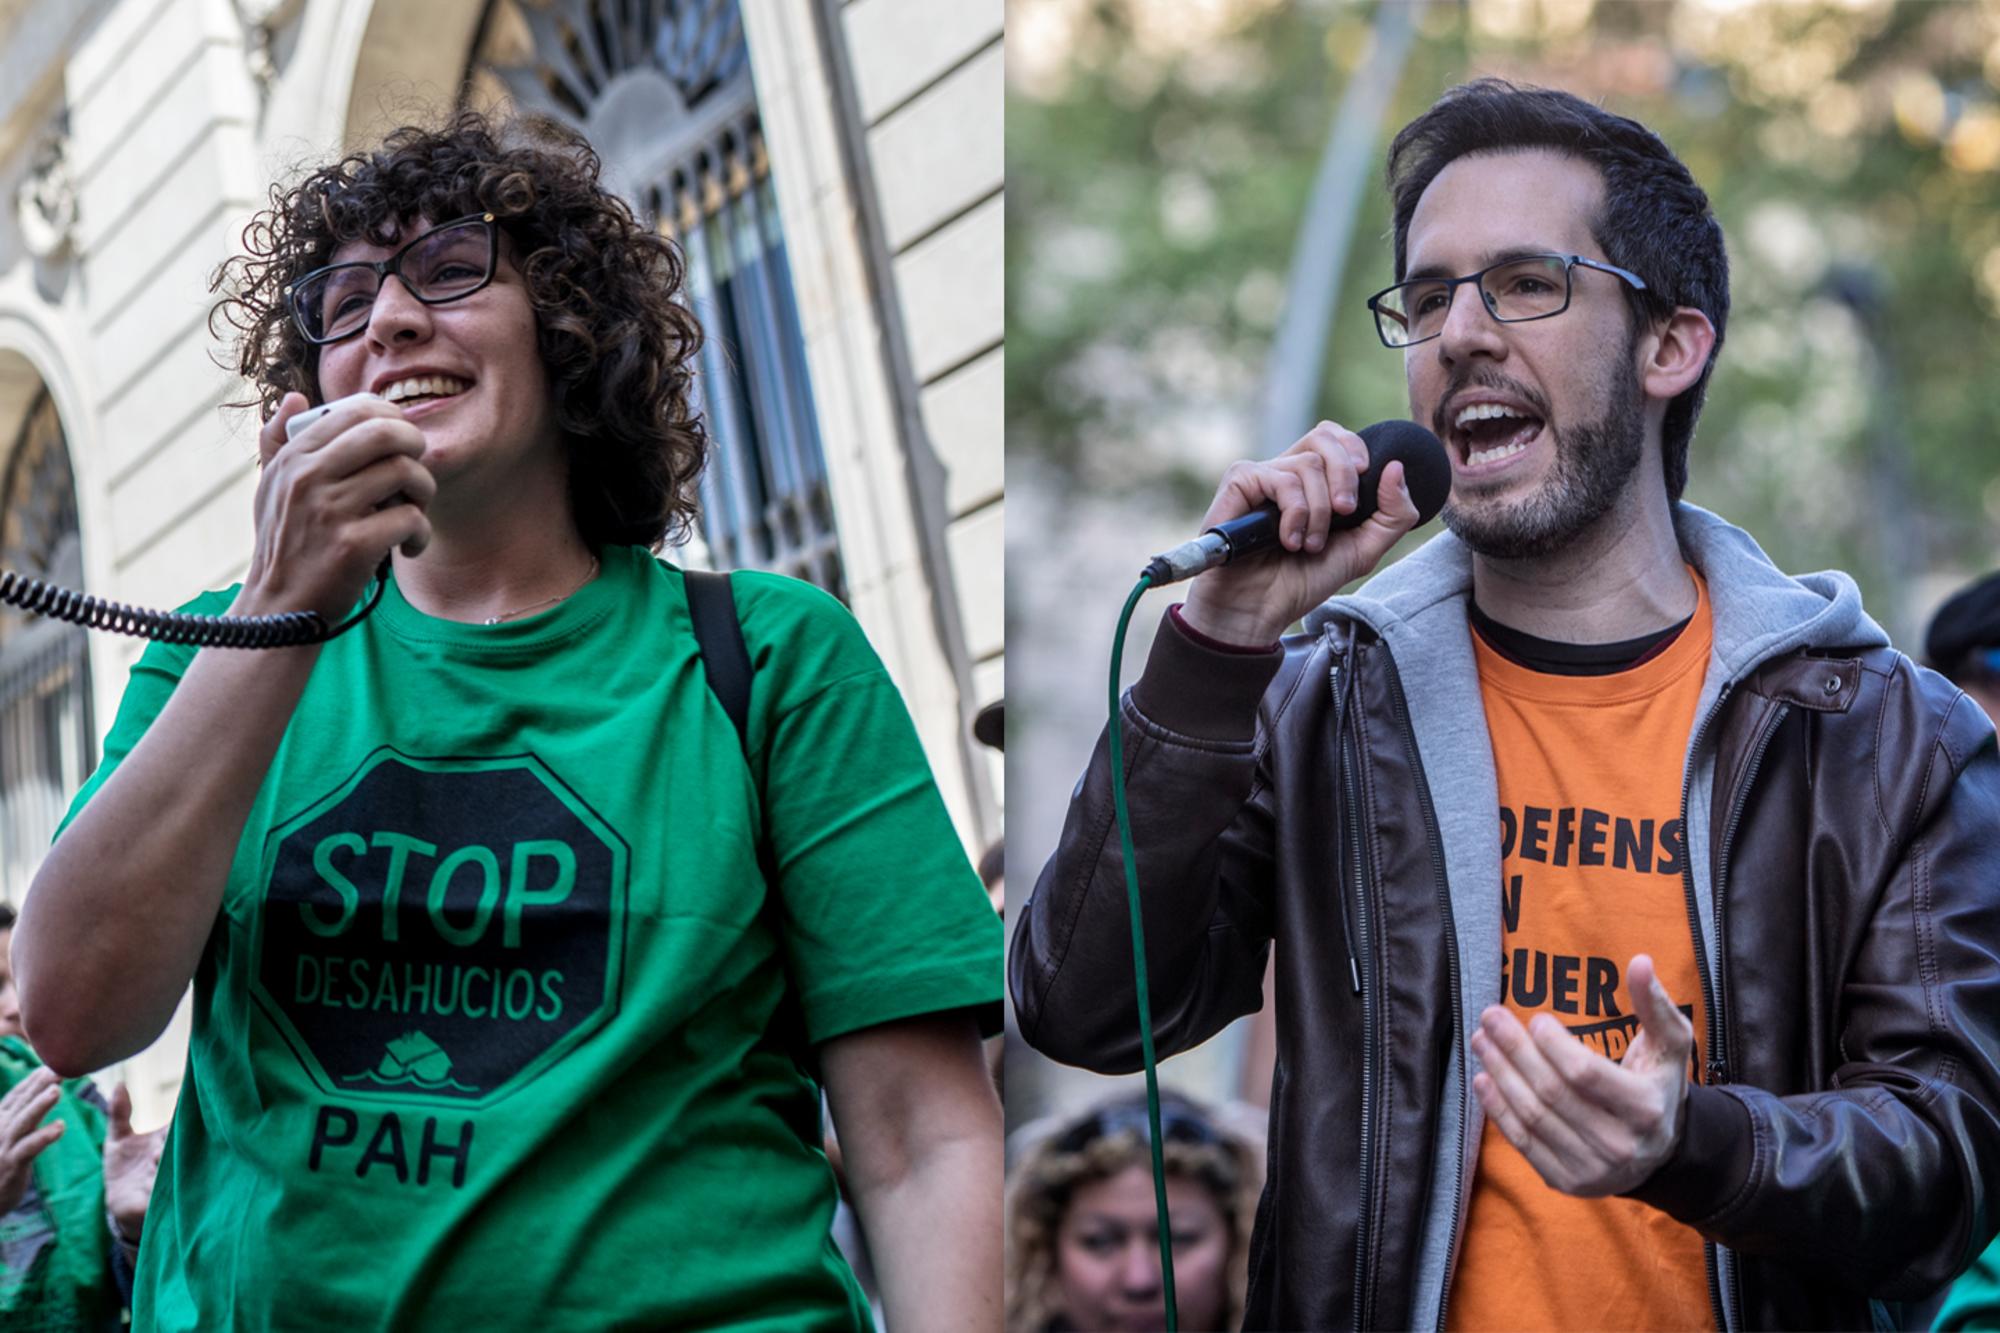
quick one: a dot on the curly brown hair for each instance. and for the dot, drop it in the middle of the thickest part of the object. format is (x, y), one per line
(619, 347)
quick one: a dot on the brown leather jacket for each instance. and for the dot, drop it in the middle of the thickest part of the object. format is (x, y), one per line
(1842, 809)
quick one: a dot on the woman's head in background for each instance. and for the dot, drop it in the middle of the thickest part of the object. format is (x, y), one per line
(1082, 1239)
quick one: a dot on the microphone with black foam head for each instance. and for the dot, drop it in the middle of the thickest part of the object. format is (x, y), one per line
(1426, 472)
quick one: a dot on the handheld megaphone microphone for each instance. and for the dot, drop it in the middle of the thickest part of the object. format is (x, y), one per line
(1426, 471)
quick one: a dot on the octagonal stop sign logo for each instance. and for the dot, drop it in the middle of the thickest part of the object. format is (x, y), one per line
(440, 930)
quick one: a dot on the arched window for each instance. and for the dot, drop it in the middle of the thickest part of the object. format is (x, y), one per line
(47, 741)
(663, 91)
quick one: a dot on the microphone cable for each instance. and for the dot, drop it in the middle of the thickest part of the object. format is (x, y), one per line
(1115, 735)
(1427, 477)
(285, 629)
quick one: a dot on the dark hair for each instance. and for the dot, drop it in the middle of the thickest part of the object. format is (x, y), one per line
(1655, 220)
(7, 917)
(1963, 641)
(619, 348)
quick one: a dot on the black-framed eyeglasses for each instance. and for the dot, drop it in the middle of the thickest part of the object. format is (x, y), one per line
(1176, 1126)
(1514, 291)
(449, 262)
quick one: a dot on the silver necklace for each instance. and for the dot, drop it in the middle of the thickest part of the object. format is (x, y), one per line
(551, 601)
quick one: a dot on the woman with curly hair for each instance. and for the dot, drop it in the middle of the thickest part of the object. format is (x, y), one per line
(1083, 1239)
(517, 966)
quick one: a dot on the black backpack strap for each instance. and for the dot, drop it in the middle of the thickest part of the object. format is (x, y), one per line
(725, 658)
(718, 636)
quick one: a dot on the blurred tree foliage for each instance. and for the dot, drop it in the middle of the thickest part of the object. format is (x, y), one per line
(1160, 155)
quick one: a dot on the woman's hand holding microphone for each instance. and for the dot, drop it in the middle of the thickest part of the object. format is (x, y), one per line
(331, 504)
(125, 901)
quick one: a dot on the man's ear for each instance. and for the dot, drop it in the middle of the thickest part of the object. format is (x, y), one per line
(1676, 353)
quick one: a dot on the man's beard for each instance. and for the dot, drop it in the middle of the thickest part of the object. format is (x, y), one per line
(1593, 463)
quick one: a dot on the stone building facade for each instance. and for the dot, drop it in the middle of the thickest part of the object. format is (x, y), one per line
(832, 168)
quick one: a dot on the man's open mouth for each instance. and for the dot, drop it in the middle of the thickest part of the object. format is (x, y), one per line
(1489, 432)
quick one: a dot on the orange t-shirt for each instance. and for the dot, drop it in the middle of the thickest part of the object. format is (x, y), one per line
(1591, 852)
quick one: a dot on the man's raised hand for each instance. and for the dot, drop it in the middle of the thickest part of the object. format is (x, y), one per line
(1588, 1125)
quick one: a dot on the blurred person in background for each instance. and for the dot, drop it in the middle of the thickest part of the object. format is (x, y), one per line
(993, 874)
(1083, 1245)
(1963, 642)
(74, 1185)
(989, 728)
(1632, 896)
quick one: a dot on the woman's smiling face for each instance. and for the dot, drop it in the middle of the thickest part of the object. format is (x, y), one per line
(493, 425)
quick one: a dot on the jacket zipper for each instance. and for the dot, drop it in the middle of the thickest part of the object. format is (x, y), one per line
(1436, 840)
(1347, 930)
(1718, 1056)
(1714, 1070)
(1717, 1049)
(1365, 1202)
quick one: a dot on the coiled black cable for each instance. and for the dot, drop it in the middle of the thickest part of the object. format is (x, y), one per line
(286, 629)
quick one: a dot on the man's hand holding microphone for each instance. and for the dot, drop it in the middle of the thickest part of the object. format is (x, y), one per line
(1338, 511)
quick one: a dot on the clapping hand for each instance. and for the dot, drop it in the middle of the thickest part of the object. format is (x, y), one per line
(131, 1161)
(22, 1134)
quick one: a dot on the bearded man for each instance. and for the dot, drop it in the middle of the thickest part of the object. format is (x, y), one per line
(1637, 962)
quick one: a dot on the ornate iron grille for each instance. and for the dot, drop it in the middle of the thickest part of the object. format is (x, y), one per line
(47, 741)
(663, 91)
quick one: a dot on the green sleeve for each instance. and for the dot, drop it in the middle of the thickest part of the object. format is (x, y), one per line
(151, 683)
(1975, 1298)
(85, 1107)
(883, 917)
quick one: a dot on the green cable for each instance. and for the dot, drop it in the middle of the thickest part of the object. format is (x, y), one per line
(1139, 952)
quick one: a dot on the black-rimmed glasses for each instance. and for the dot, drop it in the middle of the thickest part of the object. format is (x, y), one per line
(1513, 291)
(447, 263)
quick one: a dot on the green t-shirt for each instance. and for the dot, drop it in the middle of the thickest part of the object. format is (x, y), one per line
(55, 1244)
(496, 1027)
